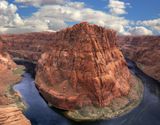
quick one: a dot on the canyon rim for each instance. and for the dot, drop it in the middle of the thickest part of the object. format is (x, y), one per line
(73, 62)
(79, 69)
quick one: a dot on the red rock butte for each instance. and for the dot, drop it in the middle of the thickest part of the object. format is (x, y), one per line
(83, 68)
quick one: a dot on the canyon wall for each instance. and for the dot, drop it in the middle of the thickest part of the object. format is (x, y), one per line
(5, 60)
(145, 51)
(28, 46)
(77, 68)
(10, 114)
(83, 68)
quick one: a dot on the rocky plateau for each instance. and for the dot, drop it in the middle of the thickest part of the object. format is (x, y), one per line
(145, 51)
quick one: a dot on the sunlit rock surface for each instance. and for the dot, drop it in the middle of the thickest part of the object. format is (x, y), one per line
(9, 114)
(28, 46)
(81, 70)
(84, 68)
(145, 51)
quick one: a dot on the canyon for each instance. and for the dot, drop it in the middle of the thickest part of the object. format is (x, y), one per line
(85, 59)
(10, 113)
(27, 46)
(88, 64)
(145, 51)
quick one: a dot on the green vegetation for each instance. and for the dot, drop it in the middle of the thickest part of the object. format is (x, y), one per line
(15, 97)
(11, 94)
(141, 66)
(19, 70)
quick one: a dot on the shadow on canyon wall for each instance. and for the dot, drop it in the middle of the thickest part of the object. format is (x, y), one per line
(30, 67)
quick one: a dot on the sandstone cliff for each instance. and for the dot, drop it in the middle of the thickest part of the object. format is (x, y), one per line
(9, 114)
(5, 60)
(28, 46)
(145, 51)
(83, 68)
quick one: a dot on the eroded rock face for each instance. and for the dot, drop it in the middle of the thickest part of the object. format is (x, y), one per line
(1, 46)
(28, 46)
(145, 51)
(83, 68)
(11, 115)
(5, 60)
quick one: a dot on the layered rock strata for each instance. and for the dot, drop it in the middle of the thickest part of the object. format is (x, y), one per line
(28, 46)
(81, 70)
(145, 51)
(84, 68)
(9, 114)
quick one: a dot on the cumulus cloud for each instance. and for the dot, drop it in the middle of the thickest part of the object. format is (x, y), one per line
(38, 3)
(153, 24)
(58, 16)
(139, 31)
(11, 22)
(78, 14)
(77, 5)
(117, 7)
(8, 16)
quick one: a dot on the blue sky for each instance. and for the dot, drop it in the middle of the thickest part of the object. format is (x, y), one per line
(128, 17)
(139, 9)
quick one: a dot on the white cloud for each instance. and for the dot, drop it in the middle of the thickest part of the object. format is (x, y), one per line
(38, 3)
(11, 22)
(77, 5)
(8, 16)
(57, 16)
(69, 13)
(139, 31)
(117, 7)
(153, 24)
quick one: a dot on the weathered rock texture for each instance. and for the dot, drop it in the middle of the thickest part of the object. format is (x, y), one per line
(81, 70)
(145, 51)
(11, 115)
(1, 47)
(84, 68)
(28, 46)
(5, 60)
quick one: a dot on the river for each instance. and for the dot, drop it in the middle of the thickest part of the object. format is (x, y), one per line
(39, 113)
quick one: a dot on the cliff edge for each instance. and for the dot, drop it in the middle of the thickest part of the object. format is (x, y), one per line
(84, 71)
